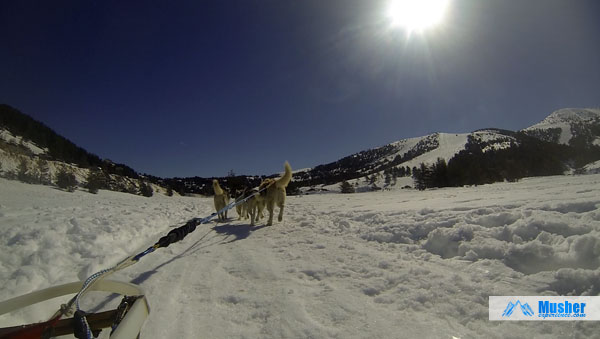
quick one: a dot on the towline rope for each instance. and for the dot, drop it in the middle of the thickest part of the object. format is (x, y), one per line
(173, 236)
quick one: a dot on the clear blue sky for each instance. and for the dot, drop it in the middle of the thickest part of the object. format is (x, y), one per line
(186, 88)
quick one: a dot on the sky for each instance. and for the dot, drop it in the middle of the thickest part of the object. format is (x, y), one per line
(202, 88)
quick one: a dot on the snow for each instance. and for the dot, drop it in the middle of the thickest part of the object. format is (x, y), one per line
(10, 160)
(406, 145)
(390, 264)
(449, 145)
(573, 114)
(563, 119)
(18, 140)
(592, 168)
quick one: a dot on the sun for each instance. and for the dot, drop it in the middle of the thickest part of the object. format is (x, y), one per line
(416, 15)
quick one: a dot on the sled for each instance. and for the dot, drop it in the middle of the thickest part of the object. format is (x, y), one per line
(126, 321)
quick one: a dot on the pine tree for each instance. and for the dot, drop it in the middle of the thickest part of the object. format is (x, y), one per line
(421, 177)
(43, 172)
(439, 174)
(345, 187)
(66, 180)
(95, 181)
(145, 189)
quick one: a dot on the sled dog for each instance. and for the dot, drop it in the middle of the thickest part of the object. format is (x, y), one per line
(221, 199)
(241, 208)
(255, 206)
(275, 192)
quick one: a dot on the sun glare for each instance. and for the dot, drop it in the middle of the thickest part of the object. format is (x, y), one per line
(416, 15)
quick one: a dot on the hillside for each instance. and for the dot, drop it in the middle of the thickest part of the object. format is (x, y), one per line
(567, 140)
(22, 134)
(569, 126)
(33, 153)
(404, 153)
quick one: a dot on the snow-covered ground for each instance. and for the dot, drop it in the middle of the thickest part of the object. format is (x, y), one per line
(391, 264)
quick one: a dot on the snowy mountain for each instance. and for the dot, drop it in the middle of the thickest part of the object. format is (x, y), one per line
(576, 132)
(406, 153)
(569, 126)
(576, 128)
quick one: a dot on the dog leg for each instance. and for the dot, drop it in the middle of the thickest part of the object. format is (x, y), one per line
(280, 218)
(252, 215)
(261, 207)
(270, 207)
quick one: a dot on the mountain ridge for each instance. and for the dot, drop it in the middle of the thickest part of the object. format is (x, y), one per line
(576, 127)
(568, 126)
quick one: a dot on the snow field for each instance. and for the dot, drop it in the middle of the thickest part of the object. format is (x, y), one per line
(392, 264)
(49, 236)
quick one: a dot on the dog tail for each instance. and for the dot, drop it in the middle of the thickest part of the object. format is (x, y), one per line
(286, 178)
(217, 188)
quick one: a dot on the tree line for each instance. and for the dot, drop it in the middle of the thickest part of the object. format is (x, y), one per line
(528, 157)
(37, 171)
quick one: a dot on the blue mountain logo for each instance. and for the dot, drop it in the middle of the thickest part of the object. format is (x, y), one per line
(525, 308)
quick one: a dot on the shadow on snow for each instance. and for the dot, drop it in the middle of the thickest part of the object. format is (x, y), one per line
(220, 237)
(240, 232)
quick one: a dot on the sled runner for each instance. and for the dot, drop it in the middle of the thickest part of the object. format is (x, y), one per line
(126, 321)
